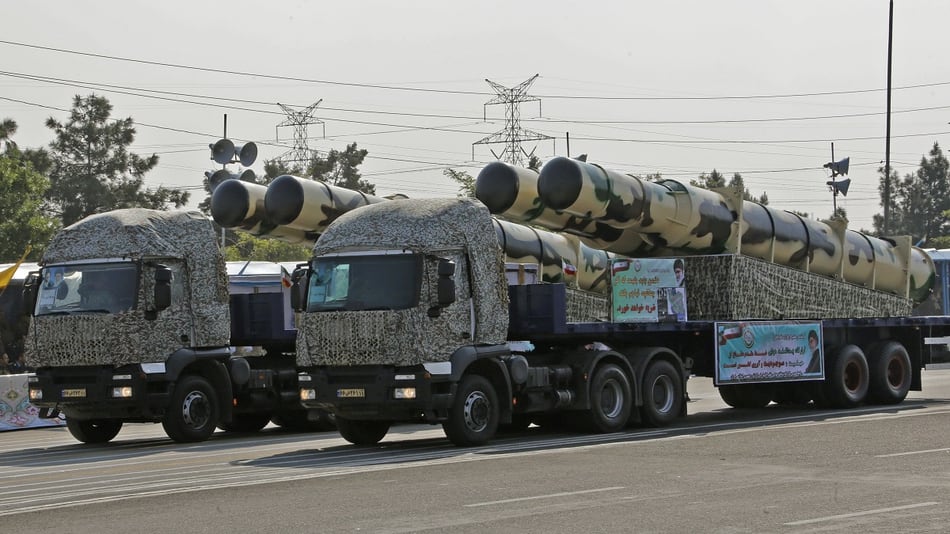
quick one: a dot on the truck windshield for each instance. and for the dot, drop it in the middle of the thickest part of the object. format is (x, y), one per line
(385, 282)
(87, 287)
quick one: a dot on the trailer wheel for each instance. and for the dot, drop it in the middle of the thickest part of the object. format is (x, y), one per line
(473, 418)
(362, 432)
(93, 430)
(193, 413)
(610, 399)
(889, 367)
(846, 384)
(246, 422)
(662, 394)
(747, 396)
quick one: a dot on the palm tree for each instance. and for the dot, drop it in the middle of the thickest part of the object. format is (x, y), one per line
(7, 129)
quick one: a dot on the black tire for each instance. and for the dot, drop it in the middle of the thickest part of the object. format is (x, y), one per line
(473, 418)
(610, 399)
(362, 432)
(93, 430)
(890, 373)
(747, 396)
(246, 422)
(662, 394)
(847, 379)
(193, 412)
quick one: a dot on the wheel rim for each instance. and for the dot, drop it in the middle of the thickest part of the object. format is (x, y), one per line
(195, 410)
(896, 373)
(852, 376)
(663, 394)
(611, 399)
(476, 410)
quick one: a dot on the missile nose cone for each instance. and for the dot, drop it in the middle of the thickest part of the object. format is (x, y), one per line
(283, 201)
(229, 203)
(497, 186)
(560, 183)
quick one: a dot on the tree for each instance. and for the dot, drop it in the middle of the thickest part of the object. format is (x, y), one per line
(464, 179)
(341, 169)
(7, 129)
(715, 179)
(91, 168)
(919, 202)
(22, 221)
(248, 247)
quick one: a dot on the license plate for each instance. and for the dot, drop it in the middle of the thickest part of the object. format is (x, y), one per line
(351, 393)
(74, 393)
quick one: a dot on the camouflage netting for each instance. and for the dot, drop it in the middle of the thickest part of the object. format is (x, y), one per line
(182, 240)
(731, 287)
(437, 227)
(586, 307)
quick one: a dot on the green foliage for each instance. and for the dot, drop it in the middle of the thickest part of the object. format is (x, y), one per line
(342, 169)
(715, 179)
(91, 169)
(22, 220)
(249, 247)
(919, 203)
(464, 179)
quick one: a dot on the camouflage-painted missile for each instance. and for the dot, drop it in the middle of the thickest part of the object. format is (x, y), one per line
(561, 258)
(675, 215)
(310, 205)
(512, 192)
(239, 204)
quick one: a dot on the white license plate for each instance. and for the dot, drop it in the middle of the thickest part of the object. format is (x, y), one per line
(351, 393)
(74, 393)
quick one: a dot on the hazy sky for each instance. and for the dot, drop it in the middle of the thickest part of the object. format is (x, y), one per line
(758, 87)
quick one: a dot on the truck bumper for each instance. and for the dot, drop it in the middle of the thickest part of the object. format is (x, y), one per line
(382, 393)
(100, 392)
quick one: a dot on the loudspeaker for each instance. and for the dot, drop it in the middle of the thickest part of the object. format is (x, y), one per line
(223, 150)
(246, 153)
(838, 167)
(840, 186)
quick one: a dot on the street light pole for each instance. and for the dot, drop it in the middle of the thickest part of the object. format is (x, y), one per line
(887, 134)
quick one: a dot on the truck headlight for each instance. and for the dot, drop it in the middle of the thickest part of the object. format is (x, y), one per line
(124, 392)
(404, 393)
(308, 394)
(36, 394)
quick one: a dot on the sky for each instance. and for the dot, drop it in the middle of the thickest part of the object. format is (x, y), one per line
(758, 87)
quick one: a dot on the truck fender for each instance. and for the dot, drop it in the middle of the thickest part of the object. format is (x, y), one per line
(594, 359)
(486, 361)
(209, 364)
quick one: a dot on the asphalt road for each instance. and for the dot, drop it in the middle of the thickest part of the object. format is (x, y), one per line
(870, 469)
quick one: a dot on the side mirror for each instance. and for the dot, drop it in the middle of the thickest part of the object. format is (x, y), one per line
(30, 291)
(445, 291)
(163, 287)
(298, 288)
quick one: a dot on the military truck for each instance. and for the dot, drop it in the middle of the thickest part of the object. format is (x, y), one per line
(133, 321)
(409, 311)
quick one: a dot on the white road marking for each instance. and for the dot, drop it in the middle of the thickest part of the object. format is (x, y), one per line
(859, 514)
(548, 496)
(910, 453)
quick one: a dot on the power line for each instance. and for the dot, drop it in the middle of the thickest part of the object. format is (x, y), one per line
(459, 92)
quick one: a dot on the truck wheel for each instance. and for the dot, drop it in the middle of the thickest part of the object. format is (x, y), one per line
(362, 432)
(662, 394)
(610, 399)
(93, 430)
(473, 418)
(747, 396)
(193, 412)
(246, 422)
(889, 367)
(846, 384)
